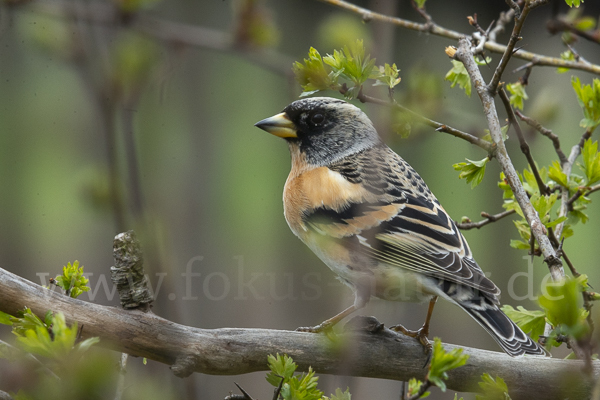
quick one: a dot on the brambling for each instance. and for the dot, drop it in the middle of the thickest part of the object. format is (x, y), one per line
(372, 219)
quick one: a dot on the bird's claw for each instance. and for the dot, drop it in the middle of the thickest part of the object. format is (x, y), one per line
(313, 329)
(420, 335)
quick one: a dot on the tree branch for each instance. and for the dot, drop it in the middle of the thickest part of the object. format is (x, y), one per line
(567, 167)
(378, 352)
(522, 142)
(176, 33)
(439, 127)
(465, 226)
(437, 30)
(465, 55)
(520, 16)
(580, 193)
(546, 132)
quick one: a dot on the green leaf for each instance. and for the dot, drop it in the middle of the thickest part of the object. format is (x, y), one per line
(313, 75)
(519, 244)
(503, 130)
(591, 162)
(458, 76)
(5, 318)
(72, 280)
(388, 76)
(486, 61)
(413, 388)
(517, 94)
(573, 3)
(339, 395)
(506, 189)
(588, 97)
(472, 171)
(492, 389)
(567, 56)
(283, 366)
(442, 362)
(353, 64)
(420, 3)
(562, 303)
(556, 173)
(55, 340)
(303, 387)
(530, 322)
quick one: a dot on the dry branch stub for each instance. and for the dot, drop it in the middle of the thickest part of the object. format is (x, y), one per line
(128, 272)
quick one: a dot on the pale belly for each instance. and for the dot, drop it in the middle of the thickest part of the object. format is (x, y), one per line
(371, 277)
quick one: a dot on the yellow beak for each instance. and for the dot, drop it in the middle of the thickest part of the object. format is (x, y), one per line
(278, 125)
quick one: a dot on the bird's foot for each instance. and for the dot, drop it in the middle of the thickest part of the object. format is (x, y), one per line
(420, 335)
(315, 329)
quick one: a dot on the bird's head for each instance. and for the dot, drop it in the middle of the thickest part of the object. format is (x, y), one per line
(323, 129)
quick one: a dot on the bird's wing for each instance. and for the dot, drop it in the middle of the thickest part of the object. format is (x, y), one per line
(402, 225)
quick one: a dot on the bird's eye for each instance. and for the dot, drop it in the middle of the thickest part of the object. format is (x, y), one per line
(317, 118)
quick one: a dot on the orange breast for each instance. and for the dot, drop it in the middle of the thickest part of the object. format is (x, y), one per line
(318, 187)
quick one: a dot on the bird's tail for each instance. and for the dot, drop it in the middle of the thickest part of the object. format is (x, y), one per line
(504, 331)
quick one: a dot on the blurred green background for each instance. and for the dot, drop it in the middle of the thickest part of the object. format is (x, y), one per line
(83, 102)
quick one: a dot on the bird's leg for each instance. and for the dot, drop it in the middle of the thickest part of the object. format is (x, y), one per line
(360, 300)
(423, 332)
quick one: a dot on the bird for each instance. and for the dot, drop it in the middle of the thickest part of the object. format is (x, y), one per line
(369, 216)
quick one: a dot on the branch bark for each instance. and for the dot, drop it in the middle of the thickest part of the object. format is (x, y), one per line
(379, 353)
(437, 30)
(465, 55)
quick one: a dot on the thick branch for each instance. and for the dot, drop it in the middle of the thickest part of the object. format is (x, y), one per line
(5, 396)
(437, 30)
(465, 55)
(229, 351)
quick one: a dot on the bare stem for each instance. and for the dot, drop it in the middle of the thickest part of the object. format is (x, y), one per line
(489, 218)
(522, 142)
(567, 167)
(487, 146)
(520, 16)
(546, 132)
(438, 30)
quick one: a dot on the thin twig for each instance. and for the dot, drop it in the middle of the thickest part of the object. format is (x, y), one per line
(121, 378)
(439, 127)
(437, 30)
(133, 168)
(567, 167)
(176, 33)
(580, 192)
(503, 20)
(422, 389)
(423, 13)
(560, 25)
(465, 55)
(514, 38)
(546, 132)
(489, 218)
(522, 142)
